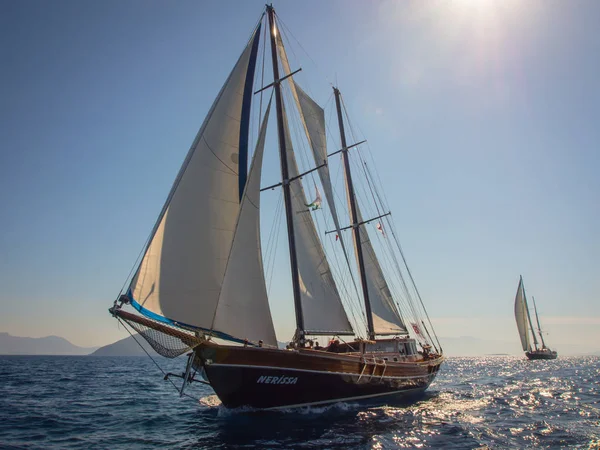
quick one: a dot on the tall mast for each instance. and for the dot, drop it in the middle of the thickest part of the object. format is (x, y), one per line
(528, 315)
(354, 218)
(537, 318)
(289, 214)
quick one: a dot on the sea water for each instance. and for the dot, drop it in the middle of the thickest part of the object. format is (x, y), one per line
(85, 402)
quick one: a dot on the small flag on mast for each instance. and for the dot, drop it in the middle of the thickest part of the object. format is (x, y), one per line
(316, 204)
(416, 328)
(380, 228)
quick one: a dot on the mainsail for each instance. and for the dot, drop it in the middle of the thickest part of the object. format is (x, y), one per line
(521, 314)
(181, 275)
(321, 303)
(537, 318)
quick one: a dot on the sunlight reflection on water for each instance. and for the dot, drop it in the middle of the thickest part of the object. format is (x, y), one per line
(498, 402)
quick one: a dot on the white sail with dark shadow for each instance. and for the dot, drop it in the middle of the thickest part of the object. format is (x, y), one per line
(182, 270)
(243, 308)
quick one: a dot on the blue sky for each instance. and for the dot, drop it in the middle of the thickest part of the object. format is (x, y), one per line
(481, 114)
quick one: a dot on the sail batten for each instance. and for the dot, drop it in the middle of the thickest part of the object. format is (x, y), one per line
(183, 267)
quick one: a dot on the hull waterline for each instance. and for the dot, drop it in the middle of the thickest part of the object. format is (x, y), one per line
(541, 355)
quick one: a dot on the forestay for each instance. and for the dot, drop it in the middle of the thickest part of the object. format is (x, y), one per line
(243, 308)
(182, 270)
(521, 316)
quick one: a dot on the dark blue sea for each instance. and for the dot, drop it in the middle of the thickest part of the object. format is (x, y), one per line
(61, 402)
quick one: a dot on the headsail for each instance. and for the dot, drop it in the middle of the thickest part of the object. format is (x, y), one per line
(181, 273)
(321, 303)
(243, 308)
(521, 317)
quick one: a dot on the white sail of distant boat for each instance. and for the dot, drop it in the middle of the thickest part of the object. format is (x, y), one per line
(537, 318)
(521, 317)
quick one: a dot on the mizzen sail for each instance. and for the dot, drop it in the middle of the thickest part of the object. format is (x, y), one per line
(386, 317)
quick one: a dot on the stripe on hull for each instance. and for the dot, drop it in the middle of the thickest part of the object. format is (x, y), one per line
(404, 393)
(326, 372)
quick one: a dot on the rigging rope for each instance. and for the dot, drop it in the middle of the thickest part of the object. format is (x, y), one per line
(390, 253)
(154, 361)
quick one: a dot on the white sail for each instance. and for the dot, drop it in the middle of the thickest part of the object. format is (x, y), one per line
(322, 308)
(313, 119)
(243, 308)
(537, 318)
(313, 122)
(521, 317)
(386, 318)
(181, 273)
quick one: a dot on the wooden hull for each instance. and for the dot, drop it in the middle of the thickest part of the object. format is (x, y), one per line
(270, 378)
(541, 355)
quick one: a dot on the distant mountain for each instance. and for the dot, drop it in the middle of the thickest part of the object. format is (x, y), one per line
(125, 347)
(51, 345)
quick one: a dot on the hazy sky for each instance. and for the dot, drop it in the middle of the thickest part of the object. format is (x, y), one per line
(482, 116)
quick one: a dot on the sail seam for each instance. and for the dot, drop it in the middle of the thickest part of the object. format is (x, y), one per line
(215, 155)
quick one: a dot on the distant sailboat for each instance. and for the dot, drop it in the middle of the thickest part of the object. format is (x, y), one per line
(525, 327)
(201, 279)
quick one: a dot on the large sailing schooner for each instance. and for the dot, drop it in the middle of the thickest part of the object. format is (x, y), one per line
(525, 326)
(200, 288)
